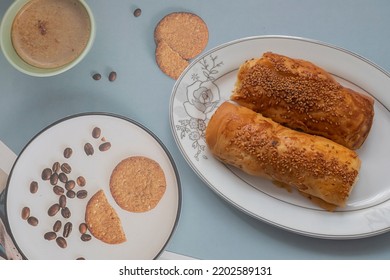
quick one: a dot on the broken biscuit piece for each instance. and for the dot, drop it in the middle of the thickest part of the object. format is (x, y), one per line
(169, 61)
(102, 220)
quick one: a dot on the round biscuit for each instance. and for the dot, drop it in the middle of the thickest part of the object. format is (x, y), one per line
(137, 184)
(186, 33)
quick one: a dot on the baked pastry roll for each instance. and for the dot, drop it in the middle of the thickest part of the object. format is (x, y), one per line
(316, 166)
(302, 96)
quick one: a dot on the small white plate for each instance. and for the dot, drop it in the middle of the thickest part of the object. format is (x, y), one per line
(147, 233)
(209, 81)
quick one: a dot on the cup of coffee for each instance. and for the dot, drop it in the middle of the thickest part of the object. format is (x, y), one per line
(46, 37)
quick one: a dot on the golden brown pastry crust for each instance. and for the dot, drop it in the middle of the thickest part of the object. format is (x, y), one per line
(259, 146)
(302, 96)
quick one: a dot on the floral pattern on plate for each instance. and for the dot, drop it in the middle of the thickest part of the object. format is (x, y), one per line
(203, 96)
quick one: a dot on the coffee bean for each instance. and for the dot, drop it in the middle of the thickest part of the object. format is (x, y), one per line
(67, 229)
(46, 173)
(65, 212)
(86, 237)
(81, 181)
(83, 228)
(62, 177)
(33, 187)
(70, 185)
(50, 235)
(88, 148)
(53, 210)
(65, 167)
(61, 242)
(80, 259)
(57, 226)
(70, 194)
(68, 152)
(96, 76)
(58, 190)
(105, 146)
(32, 221)
(137, 12)
(62, 201)
(56, 167)
(82, 194)
(54, 179)
(112, 76)
(25, 213)
(96, 132)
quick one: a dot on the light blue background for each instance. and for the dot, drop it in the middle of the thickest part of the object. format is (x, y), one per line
(208, 228)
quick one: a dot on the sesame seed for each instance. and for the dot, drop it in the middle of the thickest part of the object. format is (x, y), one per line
(288, 158)
(303, 97)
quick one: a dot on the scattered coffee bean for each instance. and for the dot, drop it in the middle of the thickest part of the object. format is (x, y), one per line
(54, 179)
(105, 146)
(65, 167)
(112, 76)
(88, 148)
(58, 172)
(80, 259)
(81, 181)
(25, 213)
(61, 242)
(65, 212)
(96, 76)
(137, 12)
(68, 152)
(62, 201)
(70, 194)
(58, 190)
(96, 132)
(67, 229)
(50, 235)
(46, 173)
(56, 167)
(57, 226)
(86, 237)
(53, 210)
(70, 185)
(62, 177)
(82, 194)
(83, 228)
(34, 187)
(32, 221)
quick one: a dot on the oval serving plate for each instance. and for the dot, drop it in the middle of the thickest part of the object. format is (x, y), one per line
(147, 233)
(209, 81)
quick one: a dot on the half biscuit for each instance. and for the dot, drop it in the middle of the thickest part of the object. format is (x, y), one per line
(102, 220)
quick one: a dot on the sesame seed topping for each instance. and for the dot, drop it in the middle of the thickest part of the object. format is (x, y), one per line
(291, 159)
(300, 92)
(304, 97)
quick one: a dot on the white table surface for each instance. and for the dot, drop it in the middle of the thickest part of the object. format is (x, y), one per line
(208, 228)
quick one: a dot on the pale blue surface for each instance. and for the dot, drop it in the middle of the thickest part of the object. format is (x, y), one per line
(209, 228)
